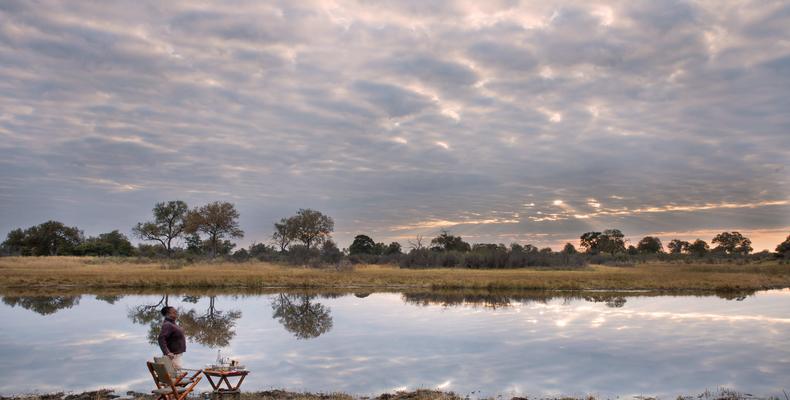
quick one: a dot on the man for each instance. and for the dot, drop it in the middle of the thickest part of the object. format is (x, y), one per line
(171, 338)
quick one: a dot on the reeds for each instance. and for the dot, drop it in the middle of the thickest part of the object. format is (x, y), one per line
(89, 272)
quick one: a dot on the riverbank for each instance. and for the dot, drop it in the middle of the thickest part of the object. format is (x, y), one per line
(423, 394)
(89, 273)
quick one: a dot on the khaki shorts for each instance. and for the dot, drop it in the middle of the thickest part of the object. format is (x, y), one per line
(177, 360)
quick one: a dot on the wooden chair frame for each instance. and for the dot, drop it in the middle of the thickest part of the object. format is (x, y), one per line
(180, 379)
(163, 380)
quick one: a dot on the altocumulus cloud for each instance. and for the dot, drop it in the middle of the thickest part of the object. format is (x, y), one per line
(500, 121)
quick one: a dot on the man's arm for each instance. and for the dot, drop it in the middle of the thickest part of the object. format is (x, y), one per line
(167, 330)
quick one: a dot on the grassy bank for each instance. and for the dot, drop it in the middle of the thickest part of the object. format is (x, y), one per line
(720, 394)
(104, 273)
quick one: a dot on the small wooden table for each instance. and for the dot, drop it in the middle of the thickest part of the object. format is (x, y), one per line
(222, 377)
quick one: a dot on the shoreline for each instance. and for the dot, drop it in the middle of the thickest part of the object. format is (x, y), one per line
(91, 273)
(418, 394)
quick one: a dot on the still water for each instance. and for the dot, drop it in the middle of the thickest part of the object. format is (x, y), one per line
(371, 343)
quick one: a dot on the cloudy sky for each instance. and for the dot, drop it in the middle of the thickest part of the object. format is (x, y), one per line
(498, 120)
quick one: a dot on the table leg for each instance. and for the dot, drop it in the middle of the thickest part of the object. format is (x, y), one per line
(238, 384)
(211, 382)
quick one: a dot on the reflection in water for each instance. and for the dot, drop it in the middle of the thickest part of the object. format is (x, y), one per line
(212, 327)
(300, 315)
(494, 300)
(41, 304)
(535, 344)
(610, 301)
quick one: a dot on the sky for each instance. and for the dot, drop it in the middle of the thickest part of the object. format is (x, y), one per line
(500, 121)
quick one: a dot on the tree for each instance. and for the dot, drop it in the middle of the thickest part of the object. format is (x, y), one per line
(284, 233)
(216, 220)
(106, 244)
(392, 249)
(416, 244)
(650, 245)
(168, 224)
(590, 242)
(362, 244)
(783, 249)
(733, 243)
(447, 242)
(51, 238)
(569, 249)
(14, 243)
(699, 248)
(610, 241)
(330, 253)
(677, 246)
(261, 251)
(312, 227)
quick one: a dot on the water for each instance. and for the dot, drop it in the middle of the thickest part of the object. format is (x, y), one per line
(367, 344)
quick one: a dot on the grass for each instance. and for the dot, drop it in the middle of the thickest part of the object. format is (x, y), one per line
(102, 273)
(419, 394)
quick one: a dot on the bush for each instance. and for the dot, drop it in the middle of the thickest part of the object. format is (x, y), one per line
(299, 254)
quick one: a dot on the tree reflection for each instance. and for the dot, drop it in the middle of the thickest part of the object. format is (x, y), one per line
(455, 299)
(610, 300)
(212, 328)
(302, 316)
(44, 305)
(109, 299)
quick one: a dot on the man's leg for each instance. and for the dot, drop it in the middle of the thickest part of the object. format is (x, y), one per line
(177, 361)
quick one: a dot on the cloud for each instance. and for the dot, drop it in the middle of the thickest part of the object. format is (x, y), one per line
(648, 118)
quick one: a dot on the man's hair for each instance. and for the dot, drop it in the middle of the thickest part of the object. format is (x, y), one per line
(165, 310)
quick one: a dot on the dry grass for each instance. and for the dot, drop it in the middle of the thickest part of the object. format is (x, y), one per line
(89, 272)
(419, 394)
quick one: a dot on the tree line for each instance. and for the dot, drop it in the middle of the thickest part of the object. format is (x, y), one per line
(177, 231)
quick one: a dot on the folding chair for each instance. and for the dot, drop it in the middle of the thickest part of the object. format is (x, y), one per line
(166, 387)
(179, 377)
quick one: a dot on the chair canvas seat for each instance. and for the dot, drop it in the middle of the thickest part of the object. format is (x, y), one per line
(171, 387)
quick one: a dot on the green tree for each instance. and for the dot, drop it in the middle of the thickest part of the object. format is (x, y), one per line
(51, 238)
(330, 253)
(650, 245)
(610, 241)
(14, 243)
(284, 233)
(312, 227)
(783, 249)
(569, 249)
(217, 221)
(393, 249)
(677, 246)
(168, 224)
(698, 248)
(106, 244)
(590, 242)
(733, 243)
(362, 244)
(447, 242)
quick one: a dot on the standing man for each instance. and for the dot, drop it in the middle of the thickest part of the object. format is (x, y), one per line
(171, 338)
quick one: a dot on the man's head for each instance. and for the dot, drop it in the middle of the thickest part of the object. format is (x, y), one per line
(169, 312)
